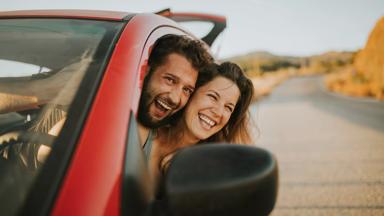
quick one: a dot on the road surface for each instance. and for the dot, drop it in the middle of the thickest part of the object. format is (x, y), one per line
(330, 149)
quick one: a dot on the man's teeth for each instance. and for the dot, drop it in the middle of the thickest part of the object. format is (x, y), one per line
(164, 105)
(207, 120)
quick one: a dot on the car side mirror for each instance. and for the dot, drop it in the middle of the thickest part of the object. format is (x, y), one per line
(222, 180)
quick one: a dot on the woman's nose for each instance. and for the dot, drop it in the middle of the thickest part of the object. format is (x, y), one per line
(218, 110)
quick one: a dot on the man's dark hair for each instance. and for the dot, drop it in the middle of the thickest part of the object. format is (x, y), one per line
(193, 50)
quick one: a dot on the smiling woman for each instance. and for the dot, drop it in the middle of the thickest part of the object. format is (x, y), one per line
(217, 112)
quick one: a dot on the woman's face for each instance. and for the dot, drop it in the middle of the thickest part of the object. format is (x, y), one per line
(210, 107)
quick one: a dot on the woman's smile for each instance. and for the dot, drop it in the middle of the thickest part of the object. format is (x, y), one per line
(206, 122)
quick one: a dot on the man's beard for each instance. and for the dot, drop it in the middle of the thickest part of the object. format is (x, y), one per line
(143, 113)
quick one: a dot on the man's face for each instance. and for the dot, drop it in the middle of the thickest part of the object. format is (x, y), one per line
(167, 90)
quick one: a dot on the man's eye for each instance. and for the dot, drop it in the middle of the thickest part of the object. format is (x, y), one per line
(169, 80)
(188, 91)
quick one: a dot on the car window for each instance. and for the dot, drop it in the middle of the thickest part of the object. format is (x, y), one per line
(42, 63)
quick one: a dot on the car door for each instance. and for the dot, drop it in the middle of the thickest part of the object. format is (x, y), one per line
(138, 191)
(104, 176)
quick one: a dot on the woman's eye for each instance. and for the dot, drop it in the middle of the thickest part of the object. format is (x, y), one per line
(212, 96)
(229, 109)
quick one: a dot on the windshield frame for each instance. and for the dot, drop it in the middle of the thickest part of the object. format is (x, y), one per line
(47, 183)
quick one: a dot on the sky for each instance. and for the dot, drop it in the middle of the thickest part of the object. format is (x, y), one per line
(282, 27)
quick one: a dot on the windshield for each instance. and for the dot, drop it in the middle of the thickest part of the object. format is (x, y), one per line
(42, 64)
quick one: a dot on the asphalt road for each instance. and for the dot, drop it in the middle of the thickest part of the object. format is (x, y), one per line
(330, 149)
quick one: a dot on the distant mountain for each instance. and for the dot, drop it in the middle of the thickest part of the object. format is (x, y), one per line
(257, 54)
(259, 62)
(262, 55)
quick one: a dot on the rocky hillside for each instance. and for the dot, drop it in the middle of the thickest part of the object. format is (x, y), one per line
(369, 62)
(366, 76)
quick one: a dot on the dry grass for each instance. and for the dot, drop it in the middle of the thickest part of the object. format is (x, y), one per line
(365, 78)
(350, 83)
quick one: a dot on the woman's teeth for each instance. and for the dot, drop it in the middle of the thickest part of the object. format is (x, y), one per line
(207, 120)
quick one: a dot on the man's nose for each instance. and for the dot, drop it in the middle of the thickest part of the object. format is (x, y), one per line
(175, 95)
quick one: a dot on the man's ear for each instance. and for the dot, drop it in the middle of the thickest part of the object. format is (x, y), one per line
(144, 72)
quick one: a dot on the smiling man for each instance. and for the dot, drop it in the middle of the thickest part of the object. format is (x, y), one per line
(173, 68)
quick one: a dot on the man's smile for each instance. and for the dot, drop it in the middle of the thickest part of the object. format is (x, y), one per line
(161, 107)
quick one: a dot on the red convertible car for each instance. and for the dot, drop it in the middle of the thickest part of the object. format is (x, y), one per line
(83, 71)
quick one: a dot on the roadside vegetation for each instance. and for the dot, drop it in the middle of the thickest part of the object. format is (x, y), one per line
(267, 70)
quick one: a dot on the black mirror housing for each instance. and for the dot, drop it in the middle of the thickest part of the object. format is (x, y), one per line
(222, 180)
